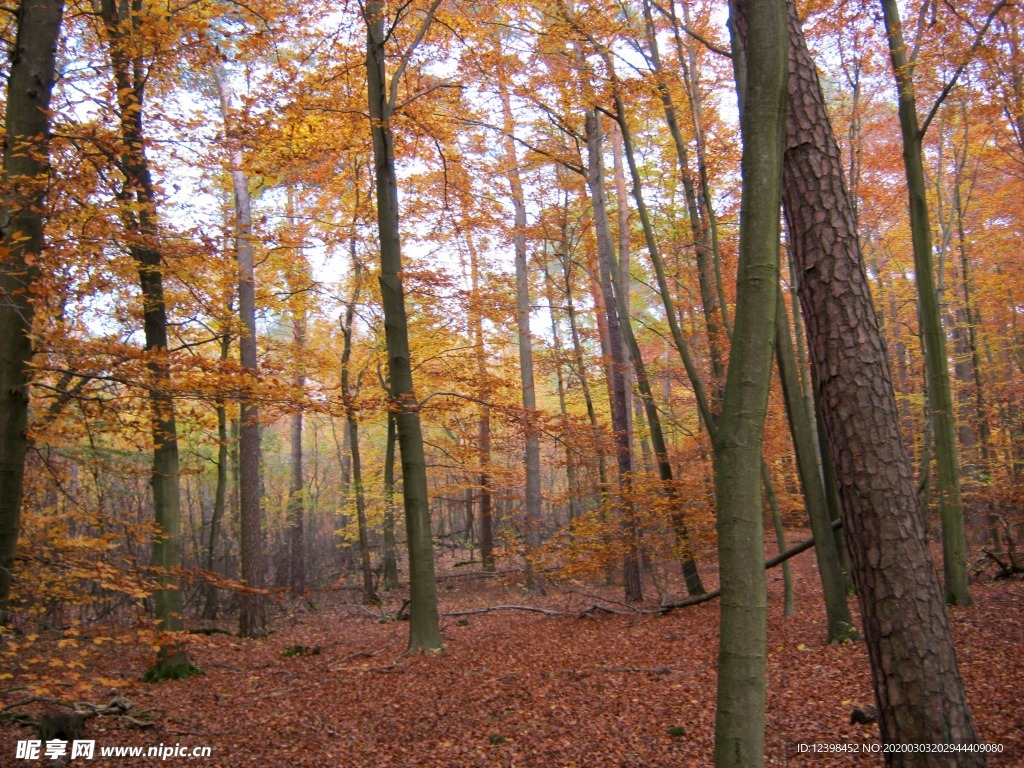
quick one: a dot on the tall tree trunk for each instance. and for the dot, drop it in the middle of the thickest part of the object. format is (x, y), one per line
(617, 394)
(703, 250)
(296, 488)
(390, 548)
(26, 170)
(349, 393)
(954, 541)
(424, 628)
(532, 498)
(917, 684)
(570, 463)
(252, 616)
(580, 365)
(805, 445)
(759, 58)
(137, 200)
(220, 491)
(484, 420)
(788, 607)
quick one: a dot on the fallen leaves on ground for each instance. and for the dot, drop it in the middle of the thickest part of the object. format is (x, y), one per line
(332, 686)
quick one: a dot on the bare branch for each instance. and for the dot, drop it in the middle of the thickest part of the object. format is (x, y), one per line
(404, 61)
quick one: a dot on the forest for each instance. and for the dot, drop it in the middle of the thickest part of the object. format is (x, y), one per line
(554, 383)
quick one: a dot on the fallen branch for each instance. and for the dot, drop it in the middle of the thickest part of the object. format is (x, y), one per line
(780, 558)
(581, 673)
(530, 608)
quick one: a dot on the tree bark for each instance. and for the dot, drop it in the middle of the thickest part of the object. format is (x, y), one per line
(532, 498)
(954, 541)
(349, 392)
(486, 516)
(26, 169)
(917, 684)
(296, 488)
(137, 200)
(424, 628)
(252, 616)
(210, 609)
(390, 548)
(805, 440)
(617, 394)
(759, 51)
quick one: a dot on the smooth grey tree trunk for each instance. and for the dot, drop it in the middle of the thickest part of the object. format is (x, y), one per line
(252, 617)
(390, 547)
(349, 392)
(617, 394)
(532, 498)
(210, 608)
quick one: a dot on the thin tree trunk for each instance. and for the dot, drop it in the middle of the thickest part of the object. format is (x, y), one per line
(703, 250)
(390, 549)
(760, 68)
(220, 491)
(617, 364)
(570, 464)
(484, 420)
(954, 541)
(137, 201)
(26, 169)
(424, 628)
(296, 490)
(253, 614)
(788, 608)
(580, 367)
(534, 583)
(840, 622)
(349, 393)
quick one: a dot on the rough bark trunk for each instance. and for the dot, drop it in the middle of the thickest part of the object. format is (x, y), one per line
(26, 169)
(917, 685)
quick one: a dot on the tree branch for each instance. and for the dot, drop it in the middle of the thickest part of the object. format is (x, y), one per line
(960, 70)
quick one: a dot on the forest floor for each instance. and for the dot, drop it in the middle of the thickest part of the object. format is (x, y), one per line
(331, 687)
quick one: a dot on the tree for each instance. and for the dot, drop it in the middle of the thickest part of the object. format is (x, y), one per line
(759, 59)
(617, 395)
(137, 208)
(253, 615)
(940, 397)
(424, 629)
(26, 168)
(531, 455)
(917, 685)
